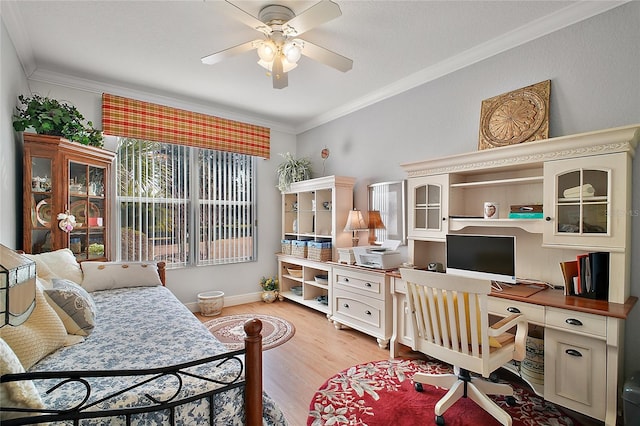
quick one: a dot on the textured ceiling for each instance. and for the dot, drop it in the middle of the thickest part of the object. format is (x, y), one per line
(155, 47)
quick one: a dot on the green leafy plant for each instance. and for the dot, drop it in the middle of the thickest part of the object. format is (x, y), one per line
(48, 116)
(292, 170)
(269, 284)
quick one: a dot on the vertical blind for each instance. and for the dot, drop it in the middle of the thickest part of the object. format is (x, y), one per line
(135, 119)
(185, 205)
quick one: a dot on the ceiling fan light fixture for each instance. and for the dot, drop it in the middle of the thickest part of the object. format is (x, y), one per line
(267, 50)
(293, 50)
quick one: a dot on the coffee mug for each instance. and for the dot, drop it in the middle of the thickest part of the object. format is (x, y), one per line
(490, 210)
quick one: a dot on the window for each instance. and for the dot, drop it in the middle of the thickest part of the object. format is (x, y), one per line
(185, 205)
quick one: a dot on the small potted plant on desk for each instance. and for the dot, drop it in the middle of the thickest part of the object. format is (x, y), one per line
(269, 289)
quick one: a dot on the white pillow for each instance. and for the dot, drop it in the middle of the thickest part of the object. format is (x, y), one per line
(110, 275)
(57, 264)
(18, 394)
(74, 306)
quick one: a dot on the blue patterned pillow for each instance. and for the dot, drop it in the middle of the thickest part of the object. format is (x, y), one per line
(74, 306)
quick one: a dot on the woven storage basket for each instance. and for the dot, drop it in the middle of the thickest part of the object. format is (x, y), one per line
(286, 246)
(299, 248)
(320, 254)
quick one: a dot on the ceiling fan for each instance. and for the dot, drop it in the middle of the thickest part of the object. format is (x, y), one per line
(280, 50)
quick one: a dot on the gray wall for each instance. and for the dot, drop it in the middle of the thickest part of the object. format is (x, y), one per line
(594, 68)
(12, 83)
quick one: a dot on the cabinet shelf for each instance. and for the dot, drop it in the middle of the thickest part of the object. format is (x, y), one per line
(499, 182)
(311, 303)
(315, 284)
(533, 226)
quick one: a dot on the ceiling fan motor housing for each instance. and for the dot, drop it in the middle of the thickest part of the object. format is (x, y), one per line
(275, 14)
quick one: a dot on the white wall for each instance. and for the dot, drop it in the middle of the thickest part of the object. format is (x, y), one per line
(594, 68)
(12, 83)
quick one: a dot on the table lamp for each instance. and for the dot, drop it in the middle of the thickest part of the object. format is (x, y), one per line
(355, 223)
(375, 222)
(17, 287)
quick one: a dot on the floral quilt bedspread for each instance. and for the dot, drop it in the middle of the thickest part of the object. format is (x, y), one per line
(143, 328)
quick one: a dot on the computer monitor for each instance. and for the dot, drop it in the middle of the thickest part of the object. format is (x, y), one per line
(491, 257)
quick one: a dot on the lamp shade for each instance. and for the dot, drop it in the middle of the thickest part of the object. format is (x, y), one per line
(375, 221)
(355, 221)
(17, 287)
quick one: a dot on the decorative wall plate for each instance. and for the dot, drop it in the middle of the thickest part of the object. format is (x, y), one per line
(43, 212)
(515, 117)
(78, 209)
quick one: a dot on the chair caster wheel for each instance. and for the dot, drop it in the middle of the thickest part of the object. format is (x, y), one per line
(511, 401)
(440, 420)
(494, 377)
(418, 387)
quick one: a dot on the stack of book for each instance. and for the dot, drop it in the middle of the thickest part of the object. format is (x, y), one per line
(587, 276)
(528, 211)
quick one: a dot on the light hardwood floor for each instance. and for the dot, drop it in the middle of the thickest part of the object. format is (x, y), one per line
(293, 371)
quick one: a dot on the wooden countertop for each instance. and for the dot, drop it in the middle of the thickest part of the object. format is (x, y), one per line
(557, 299)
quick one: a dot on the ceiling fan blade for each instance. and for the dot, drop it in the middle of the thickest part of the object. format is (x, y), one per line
(318, 14)
(230, 52)
(280, 78)
(247, 19)
(327, 57)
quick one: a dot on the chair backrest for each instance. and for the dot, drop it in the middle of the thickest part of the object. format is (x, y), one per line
(451, 321)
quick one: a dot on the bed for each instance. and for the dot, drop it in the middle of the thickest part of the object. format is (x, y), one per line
(147, 360)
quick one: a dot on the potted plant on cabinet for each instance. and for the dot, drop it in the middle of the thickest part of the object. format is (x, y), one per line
(292, 170)
(269, 289)
(48, 116)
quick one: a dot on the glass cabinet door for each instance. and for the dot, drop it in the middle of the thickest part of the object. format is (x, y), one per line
(582, 205)
(41, 205)
(87, 204)
(428, 206)
(583, 202)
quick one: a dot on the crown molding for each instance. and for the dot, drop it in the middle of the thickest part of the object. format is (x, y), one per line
(189, 104)
(540, 27)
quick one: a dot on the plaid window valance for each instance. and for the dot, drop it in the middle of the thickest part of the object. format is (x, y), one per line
(143, 120)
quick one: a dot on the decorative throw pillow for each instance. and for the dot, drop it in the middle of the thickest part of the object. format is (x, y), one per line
(74, 306)
(18, 394)
(57, 264)
(110, 275)
(42, 333)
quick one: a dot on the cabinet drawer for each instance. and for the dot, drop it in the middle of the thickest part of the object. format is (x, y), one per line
(363, 313)
(583, 323)
(371, 285)
(503, 308)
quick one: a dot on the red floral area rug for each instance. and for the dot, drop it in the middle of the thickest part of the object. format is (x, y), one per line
(381, 394)
(230, 330)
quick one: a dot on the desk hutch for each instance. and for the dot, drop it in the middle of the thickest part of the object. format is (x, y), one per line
(583, 338)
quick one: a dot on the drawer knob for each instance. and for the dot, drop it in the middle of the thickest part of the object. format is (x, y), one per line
(572, 352)
(367, 312)
(346, 280)
(368, 285)
(573, 321)
(346, 305)
(548, 218)
(513, 310)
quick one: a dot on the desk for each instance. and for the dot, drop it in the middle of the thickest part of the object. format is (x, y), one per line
(583, 344)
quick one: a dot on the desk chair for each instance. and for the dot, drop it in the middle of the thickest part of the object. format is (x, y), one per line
(451, 323)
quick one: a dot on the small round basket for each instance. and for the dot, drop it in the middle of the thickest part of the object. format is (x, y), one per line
(211, 303)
